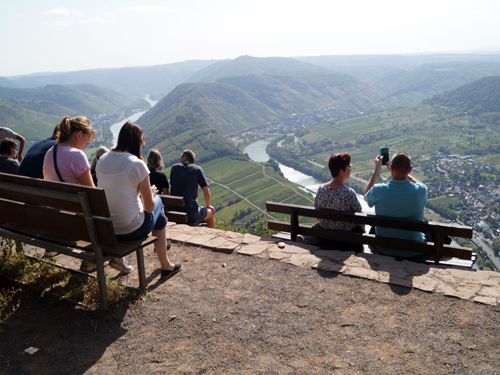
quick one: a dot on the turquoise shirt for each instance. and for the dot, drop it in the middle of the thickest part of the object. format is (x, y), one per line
(398, 198)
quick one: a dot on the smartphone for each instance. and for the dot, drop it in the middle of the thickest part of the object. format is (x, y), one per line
(384, 152)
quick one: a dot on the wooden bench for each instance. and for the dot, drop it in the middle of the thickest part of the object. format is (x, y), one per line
(438, 249)
(69, 219)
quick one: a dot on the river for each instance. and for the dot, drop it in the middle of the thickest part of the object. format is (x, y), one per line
(257, 152)
(115, 128)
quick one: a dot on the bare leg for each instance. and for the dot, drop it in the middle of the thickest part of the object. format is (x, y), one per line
(161, 249)
(210, 218)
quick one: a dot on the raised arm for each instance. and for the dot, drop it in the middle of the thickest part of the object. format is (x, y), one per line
(375, 175)
(22, 141)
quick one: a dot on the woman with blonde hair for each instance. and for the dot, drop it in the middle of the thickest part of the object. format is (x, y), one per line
(66, 162)
(136, 209)
(156, 175)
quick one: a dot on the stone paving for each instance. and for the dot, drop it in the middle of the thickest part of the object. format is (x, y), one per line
(478, 286)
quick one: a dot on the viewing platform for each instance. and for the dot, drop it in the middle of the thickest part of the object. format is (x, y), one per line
(472, 285)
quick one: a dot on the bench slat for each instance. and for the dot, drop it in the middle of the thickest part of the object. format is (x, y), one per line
(172, 200)
(373, 240)
(8, 190)
(49, 220)
(177, 217)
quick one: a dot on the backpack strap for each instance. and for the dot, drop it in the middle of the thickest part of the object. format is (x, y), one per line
(55, 164)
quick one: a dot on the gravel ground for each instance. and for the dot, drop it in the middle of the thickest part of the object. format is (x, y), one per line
(233, 314)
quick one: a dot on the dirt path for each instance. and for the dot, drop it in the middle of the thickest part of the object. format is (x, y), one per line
(233, 314)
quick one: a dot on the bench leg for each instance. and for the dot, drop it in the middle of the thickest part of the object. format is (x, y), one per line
(140, 269)
(101, 281)
(19, 247)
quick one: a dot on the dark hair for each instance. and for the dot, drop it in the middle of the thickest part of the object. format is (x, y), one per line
(401, 161)
(189, 156)
(7, 145)
(338, 162)
(130, 139)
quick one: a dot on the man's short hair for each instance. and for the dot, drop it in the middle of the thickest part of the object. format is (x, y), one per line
(401, 161)
(189, 155)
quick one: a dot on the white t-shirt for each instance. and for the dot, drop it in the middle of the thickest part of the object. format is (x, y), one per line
(119, 174)
(7, 133)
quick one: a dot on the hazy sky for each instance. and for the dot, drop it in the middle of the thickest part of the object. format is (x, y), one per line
(56, 35)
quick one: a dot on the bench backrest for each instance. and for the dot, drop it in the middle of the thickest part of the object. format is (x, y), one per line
(431, 227)
(58, 208)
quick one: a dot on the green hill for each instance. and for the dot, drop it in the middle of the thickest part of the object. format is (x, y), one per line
(185, 130)
(31, 124)
(289, 85)
(226, 108)
(72, 100)
(476, 98)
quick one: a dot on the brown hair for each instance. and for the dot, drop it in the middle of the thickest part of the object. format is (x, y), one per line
(130, 139)
(338, 162)
(68, 126)
(155, 161)
(189, 156)
(401, 160)
(7, 145)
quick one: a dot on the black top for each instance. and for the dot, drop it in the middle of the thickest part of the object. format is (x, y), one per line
(32, 164)
(159, 179)
(185, 179)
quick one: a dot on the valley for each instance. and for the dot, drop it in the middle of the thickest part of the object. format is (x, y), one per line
(311, 107)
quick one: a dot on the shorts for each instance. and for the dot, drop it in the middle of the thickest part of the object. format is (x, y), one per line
(155, 220)
(197, 216)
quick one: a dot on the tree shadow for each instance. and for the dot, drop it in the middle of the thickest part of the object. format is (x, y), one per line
(37, 338)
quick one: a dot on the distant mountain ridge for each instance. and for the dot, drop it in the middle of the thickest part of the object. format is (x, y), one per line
(156, 80)
(68, 100)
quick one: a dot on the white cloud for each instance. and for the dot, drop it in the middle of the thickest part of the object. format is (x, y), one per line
(20, 15)
(62, 12)
(146, 9)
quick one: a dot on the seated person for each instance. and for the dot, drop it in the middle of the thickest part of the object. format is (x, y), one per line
(100, 152)
(403, 196)
(32, 164)
(8, 163)
(156, 175)
(185, 177)
(334, 195)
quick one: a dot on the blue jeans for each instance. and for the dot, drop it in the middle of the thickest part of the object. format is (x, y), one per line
(155, 220)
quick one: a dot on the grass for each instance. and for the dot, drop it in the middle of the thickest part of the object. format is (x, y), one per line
(46, 277)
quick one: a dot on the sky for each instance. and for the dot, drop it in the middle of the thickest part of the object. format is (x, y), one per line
(57, 36)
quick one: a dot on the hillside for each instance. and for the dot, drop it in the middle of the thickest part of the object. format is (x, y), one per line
(72, 100)
(156, 80)
(289, 85)
(185, 130)
(31, 124)
(476, 98)
(226, 108)
(407, 79)
(5, 82)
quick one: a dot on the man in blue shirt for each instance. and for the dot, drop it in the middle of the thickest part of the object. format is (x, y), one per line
(185, 177)
(32, 164)
(403, 196)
